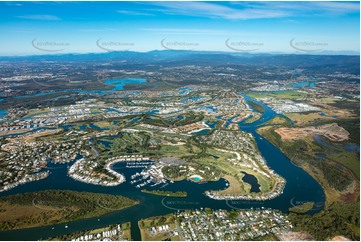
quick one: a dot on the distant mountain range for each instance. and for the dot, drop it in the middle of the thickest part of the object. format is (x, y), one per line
(174, 53)
(179, 57)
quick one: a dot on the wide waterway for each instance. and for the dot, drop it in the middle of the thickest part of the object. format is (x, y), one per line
(300, 187)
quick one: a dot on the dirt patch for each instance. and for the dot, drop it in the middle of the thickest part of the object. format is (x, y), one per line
(332, 132)
(340, 238)
(295, 236)
(353, 195)
(235, 187)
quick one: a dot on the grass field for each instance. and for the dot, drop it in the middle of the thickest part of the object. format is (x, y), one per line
(232, 173)
(278, 121)
(305, 119)
(146, 224)
(280, 95)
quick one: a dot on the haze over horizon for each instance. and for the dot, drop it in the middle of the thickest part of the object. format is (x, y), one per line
(33, 28)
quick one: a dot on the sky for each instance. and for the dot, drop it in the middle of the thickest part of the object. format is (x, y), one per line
(29, 28)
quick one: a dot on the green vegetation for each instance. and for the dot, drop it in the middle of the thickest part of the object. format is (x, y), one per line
(338, 219)
(334, 174)
(188, 118)
(56, 206)
(256, 106)
(279, 120)
(280, 95)
(353, 127)
(303, 208)
(303, 119)
(252, 118)
(353, 106)
(166, 193)
(147, 223)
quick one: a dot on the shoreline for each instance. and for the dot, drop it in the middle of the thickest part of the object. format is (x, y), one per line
(26, 179)
(276, 191)
(73, 171)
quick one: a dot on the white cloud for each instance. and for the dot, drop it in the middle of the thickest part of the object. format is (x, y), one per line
(40, 17)
(255, 10)
(204, 9)
(137, 13)
(15, 4)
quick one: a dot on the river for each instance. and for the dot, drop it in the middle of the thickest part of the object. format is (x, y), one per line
(300, 187)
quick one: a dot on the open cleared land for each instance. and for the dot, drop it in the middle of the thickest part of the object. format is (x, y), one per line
(338, 177)
(162, 226)
(331, 131)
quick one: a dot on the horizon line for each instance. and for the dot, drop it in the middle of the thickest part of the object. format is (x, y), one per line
(323, 52)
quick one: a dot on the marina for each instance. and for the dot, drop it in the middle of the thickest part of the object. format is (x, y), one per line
(147, 176)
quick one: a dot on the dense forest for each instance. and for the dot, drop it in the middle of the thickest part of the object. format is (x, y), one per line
(338, 219)
(56, 206)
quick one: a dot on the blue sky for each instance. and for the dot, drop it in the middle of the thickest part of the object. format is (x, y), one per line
(83, 27)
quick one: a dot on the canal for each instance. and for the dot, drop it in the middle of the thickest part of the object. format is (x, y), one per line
(300, 187)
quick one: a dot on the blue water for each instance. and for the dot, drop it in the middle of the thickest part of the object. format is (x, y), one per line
(41, 94)
(352, 147)
(300, 84)
(300, 187)
(3, 113)
(211, 109)
(229, 121)
(120, 83)
(202, 132)
(107, 144)
(323, 114)
(154, 111)
(134, 120)
(93, 126)
(252, 180)
(117, 83)
(212, 125)
(184, 89)
(303, 84)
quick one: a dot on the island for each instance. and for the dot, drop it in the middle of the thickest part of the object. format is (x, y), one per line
(166, 193)
(56, 206)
